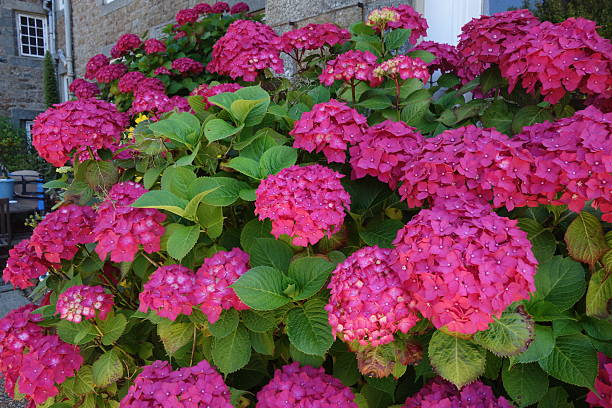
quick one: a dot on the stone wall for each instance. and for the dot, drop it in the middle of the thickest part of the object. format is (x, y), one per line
(21, 95)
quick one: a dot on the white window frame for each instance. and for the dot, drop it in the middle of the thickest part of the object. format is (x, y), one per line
(28, 130)
(107, 1)
(44, 36)
(60, 4)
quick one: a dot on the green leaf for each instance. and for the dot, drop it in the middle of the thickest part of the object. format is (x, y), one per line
(416, 105)
(174, 335)
(227, 323)
(252, 230)
(573, 360)
(112, 328)
(226, 190)
(308, 328)
(305, 359)
(107, 369)
(263, 140)
(543, 242)
(509, 335)
(218, 129)
(560, 281)
(540, 347)
(381, 233)
(543, 311)
(150, 177)
(528, 116)
(457, 360)
(556, 397)
(375, 103)
(249, 194)
(395, 39)
(261, 288)
(263, 343)
(525, 383)
(163, 200)
(491, 79)
(259, 321)
(74, 333)
(100, 174)
(585, 239)
(83, 381)
(177, 180)
(493, 366)
(181, 127)
(453, 116)
(599, 295)
(310, 273)
(448, 80)
(425, 56)
(246, 166)
(499, 115)
(320, 94)
(345, 367)
(270, 252)
(211, 219)
(599, 329)
(232, 352)
(182, 240)
(277, 158)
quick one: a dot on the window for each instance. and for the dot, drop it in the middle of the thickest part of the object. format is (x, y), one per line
(28, 129)
(31, 35)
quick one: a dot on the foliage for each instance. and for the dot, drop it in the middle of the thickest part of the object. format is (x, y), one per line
(50, 89)
(17, 154)
(363, 244)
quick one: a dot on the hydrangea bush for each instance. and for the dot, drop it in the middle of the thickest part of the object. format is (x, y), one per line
(390, 227)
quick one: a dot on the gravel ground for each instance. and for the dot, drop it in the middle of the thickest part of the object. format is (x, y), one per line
(6, 401)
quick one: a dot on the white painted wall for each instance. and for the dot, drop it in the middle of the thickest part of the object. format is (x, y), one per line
(446, 17)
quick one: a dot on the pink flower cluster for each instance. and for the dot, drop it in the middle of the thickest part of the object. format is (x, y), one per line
(240, 7)
(402, 67)
(23, 265)
(220, 7)
(131, 81)
(603, 384)
(187, 66)
(57, 236)
(18, 333)
(162, 71)
(213, 279)
(306, 203)
(470, 162)
(485, 38)
(94, 64)
(206, 91)
(314, 36)
(368, 303)
(203, 8)
(157, 102)
(187, 16)
(125, 44)
(385, 150)
(83, 89)
(109, 73)
(154, 46)
(463, 267)
(438, 393)
(303, 387)
(349, 67)
(559, 58)
(573, 157)
(402, 16)
(120, 228)
(49, 362)
(75, 126)
(246, 48)
(169, 292)
(329, 127)
(190, 387)
(447, 56)
(84, 302)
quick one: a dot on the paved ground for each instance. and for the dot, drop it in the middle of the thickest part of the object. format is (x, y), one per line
(6, 401)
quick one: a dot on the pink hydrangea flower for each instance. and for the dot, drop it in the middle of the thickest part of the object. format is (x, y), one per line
(178, 103)
(154, 46)
(438, 393)
(130, 81)
(158, 386)
(603, 384)
(84, 302)
(306, 203)
(470, 161)
(220, 7)
(240, 7)
(152, 101)
(385, 150)
(169, 292)
(23, 265)
(74, 126)
(447, 56)
(314, 36)
(203, 8)
(83, 89)
(187, 16)
(462, 268)
(162, 71)
(213, 279)
(379, 19)
(125, 44)
(484, 39)
(120, 229)
(18, 333)
(351, 66)
(407, 17)
(402, 67)
(558, 58)
(187, 66)
(150, 84)
(295, 386)
(179, 35)
(206, 91)
(94, 64)
(109, 73)
(246, 48)
(368, 303)
(573, 157)
(329, 127)
(56, 237)
(49, 362)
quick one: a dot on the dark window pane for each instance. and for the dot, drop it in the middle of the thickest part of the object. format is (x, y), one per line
(24, 20)
(24, 30)
(40, 51)
(39, 23)
(39, 32)
(32, 31)
(25, 40)
(25, 49)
